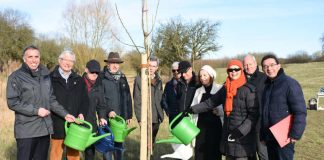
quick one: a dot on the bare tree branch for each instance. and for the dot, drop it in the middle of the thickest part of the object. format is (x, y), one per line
(115, 36)
(121, 21)
(154, 20)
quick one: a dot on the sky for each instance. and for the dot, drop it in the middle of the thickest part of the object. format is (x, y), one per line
(280, 26)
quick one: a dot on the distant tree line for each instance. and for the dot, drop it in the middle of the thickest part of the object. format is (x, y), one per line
(88, 28)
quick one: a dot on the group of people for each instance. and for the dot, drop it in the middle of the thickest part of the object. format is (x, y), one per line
(44, 100)
(234, 117)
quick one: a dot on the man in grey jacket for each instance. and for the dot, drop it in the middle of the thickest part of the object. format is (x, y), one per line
(30, 95)
(156, 97)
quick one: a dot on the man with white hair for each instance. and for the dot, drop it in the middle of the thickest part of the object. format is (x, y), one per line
(169, 99)
(70, 91)
(256, 78)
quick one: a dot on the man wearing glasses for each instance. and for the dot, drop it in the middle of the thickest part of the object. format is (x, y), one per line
(70, 91)
(282, 96)
(169, 100)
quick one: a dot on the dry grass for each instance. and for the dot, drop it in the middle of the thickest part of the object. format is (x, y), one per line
(310, 76)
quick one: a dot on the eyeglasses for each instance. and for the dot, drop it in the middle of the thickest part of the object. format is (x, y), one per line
(94, 72)
(174, 70)
(233, 69)
(67, 60)
(269, 66)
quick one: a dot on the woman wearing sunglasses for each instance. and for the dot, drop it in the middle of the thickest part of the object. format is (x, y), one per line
(241, 113)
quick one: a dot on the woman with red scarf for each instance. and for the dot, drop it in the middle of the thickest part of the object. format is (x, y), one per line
(241, 113)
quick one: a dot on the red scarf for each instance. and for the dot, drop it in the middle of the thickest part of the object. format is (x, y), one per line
(89, 83)
(232, 86)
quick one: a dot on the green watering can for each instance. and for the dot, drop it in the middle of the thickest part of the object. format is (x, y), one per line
(119, 129)
(79, 137)
(183, 132)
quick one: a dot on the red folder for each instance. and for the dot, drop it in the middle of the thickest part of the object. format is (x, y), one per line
(281, 130)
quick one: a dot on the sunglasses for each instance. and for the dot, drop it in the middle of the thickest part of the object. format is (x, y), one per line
(174, 70)
(233, 69)
(94, 72)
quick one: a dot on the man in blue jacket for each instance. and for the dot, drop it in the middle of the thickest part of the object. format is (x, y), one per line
(282, 96)
(169, 99)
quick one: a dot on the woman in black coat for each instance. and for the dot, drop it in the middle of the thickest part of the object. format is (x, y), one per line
(241, 113)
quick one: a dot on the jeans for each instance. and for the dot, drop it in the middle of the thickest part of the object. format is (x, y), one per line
(118, 153)
(89, 153)
(277, 153)
(33, 148)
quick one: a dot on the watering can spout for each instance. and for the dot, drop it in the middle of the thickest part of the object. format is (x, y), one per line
(130, 130)
(92, 139)
(170, 140)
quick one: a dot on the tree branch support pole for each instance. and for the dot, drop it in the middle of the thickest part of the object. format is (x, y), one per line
(144, 89)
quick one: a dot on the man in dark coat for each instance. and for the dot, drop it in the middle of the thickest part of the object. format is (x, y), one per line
(256, 78)
(96, 101)
(169, 100)
(70, 91)
(117, 96)
(30, 95)
(187, 85)
(156, 97)
(282, 96)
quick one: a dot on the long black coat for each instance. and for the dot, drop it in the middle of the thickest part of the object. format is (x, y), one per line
(71, 95)
(258, 80)
(117, 95)
(96, 103)
(186, 92)
(243, 117)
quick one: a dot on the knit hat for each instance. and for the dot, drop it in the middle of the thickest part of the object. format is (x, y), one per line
(212, 73)
(235, 62)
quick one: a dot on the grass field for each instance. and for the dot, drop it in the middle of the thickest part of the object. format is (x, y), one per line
(310, 147)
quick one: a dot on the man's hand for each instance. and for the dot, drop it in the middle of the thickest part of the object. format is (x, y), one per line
(112, 114)
(69, 118)
(80, 116)
(102, 122)
(128, 121)
(292, 140)
(42, 112)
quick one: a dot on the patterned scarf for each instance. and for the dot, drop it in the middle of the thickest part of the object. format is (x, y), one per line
(232, 86)
(116, 75)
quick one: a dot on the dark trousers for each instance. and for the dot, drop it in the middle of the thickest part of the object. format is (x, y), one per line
(89, 153)
(33, 148)
(117, 154)
(261, 148)
(277, 153)
(155, 129)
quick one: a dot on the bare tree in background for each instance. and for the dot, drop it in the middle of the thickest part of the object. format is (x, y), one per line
(88, 27)
(89, 23)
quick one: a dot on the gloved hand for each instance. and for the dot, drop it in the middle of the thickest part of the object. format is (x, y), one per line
(236, 133)
(187, 111)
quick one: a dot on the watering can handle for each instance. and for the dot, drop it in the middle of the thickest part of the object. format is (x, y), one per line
(77, 119)
(171, 124)
(121, 118)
